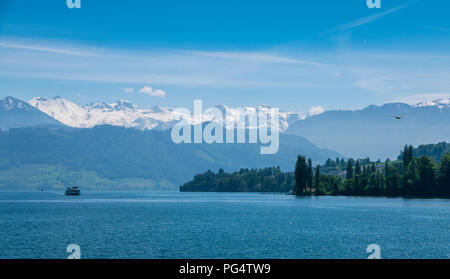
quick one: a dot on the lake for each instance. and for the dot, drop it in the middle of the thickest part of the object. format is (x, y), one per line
(220, 225)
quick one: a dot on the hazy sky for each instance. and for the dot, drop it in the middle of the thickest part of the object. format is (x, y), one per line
(290, 54)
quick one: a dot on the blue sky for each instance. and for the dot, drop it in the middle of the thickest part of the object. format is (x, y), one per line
(290, 54)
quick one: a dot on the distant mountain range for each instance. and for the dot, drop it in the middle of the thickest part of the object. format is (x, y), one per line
(120, 146)
(373, 132)
(15, 113)
(377, 131)
(125, 114)
(121, 113)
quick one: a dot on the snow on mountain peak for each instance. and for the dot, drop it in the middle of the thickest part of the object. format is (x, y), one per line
(440, 103)
(120, 113)
(124, 113)
(10, 103)
(123, 105)
(99, 105)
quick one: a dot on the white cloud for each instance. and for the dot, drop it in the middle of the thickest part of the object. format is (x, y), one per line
(315, 110)
(150, 91)
(56, 50)
(256, 57)
(217, 69)
(384, 75)
(377, 85)
(128, 90)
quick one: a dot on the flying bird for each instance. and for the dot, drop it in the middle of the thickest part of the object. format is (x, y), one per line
(399, 116)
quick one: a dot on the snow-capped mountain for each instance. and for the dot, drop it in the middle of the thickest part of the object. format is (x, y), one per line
(440, 103)
(15, 113)
(120, 113)
(10, 103)
(126, 114)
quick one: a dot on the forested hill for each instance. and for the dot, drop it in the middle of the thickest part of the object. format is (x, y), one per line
(109, 157)
(435, 151)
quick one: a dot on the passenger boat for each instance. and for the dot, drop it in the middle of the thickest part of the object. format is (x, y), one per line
(73, 191)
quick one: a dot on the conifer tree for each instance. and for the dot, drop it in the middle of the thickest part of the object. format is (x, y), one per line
(300, 175)
(317, 179)
(357, 168)
(444, 176)
(310, 175)
(349, 174)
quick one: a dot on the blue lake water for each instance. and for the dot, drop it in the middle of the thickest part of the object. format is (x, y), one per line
(219, 225)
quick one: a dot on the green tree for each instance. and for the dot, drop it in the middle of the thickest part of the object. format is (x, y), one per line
(348, 187)
(372, 185)
(427, 176)
(444, 176)
(407, 155)
(357, 168)
(300, 175)
(317, 179)
(357, 185)
(373, 168)
(288, 181)
(310, 175)
(349, 174)
(386, 167)
(411, 178)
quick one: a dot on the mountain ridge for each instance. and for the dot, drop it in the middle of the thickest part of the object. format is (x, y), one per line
(15, 113)
(107, 154)
(377, 131)
(124, 113)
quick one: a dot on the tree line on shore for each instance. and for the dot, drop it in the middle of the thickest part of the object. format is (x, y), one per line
(270, 179)
(411, 175)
